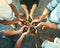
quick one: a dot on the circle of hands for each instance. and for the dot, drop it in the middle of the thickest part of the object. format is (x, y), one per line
(28, 27)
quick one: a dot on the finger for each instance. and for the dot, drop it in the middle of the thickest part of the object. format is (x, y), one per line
(39, 25)
(43, 27)
(32, 22)
(36, 31)
(28, 30)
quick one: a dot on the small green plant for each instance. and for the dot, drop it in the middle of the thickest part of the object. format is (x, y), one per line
(25, 29)
(29, 19)
(35, 23)
(32, 30)
(24, 22)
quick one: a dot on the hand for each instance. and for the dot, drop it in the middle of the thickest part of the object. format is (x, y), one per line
(34, 35)
(35, 20)
(21, 19)
(31, 17)
(40, 18)
(26, 33)
(27, 17)
(41, 24)
(22, 28)
(20, 23)
(33, 30)
(44, 27)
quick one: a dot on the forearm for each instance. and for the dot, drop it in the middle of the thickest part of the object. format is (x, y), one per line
(19, 42)
(15, 10)
(51, 25)
(10, 32)
(38, 42)
(8, 22)
(44, 14)
(46, 37)
(33, 9)
(24, 7)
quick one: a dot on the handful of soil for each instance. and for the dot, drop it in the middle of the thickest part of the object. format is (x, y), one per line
(29, 19)
(25, 29)
(24, 22)
(32, 29)
(35, 23)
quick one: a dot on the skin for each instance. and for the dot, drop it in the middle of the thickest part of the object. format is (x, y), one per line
(13, 32)
(44, 14)
(24, 7)
(19, 41)
(15, 11)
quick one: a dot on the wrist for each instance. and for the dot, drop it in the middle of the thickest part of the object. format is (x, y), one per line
(23, 35)
(19, 32)
(41, 18)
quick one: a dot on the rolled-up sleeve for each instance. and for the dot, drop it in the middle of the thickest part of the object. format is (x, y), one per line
(52, 5)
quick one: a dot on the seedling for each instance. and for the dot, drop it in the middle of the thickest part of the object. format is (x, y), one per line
(35, 23)
(32, 30)
(25, 29)
(29, 19)
(24, 22)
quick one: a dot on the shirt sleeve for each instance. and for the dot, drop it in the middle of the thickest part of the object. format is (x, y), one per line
(36, 2)
(52, 5)
(9, 1)
(57, 40)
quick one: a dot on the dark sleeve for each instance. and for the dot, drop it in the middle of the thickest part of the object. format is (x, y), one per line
(1, 34)
(21, 1)
(36, 2)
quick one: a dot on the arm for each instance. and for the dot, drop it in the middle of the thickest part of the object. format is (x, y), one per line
(44, 14)
(24, 7)
(10, 32)
(33, 10)
(35, 35)
(13, 32)
(40, 18)
(8, 22)
(19, 41)
(47, 24)
(15, 10)
(51, 25)
(46, 37)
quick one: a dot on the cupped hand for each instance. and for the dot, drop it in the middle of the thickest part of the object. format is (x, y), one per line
(22, 28)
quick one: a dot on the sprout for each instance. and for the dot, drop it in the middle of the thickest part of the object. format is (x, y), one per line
(35, 23)
(32, 30)
(25, 29)
(29, 19)
(24, 22)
